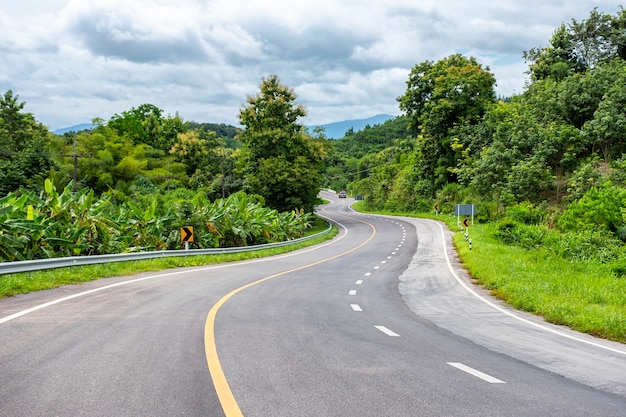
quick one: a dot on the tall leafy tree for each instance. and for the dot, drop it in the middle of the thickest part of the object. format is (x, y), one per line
(281, 162)
(25, 158)
(439, 98)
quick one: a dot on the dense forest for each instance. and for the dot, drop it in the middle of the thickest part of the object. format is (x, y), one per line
(547, 162)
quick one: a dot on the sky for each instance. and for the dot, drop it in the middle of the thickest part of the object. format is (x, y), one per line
(72, 61)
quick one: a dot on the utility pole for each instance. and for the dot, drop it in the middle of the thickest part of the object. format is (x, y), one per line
(75, 167)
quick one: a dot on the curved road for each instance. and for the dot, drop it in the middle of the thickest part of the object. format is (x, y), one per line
(381, 321)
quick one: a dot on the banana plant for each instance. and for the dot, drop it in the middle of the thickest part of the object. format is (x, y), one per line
(77, 223)
(143, 227)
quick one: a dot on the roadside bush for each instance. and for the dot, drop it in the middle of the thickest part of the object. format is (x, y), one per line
(514, 233)
(586, 245)
(619, 268)
(600, 206)
(587, 176)
(526, 213)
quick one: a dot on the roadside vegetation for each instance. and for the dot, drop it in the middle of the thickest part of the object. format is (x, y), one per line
(578, 290)
(22, 283)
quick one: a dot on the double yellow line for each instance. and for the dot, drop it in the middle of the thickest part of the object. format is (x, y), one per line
(224, 393)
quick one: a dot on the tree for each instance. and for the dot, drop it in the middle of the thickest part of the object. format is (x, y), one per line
(146, 124)
(594, 39)
(607, 129)
(440, 97)
(579, 46)
(451, 91)
(273, 139)
(557, 60)
(195, 149)
(25, 159)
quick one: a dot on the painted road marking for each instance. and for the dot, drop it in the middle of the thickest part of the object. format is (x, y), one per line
(222, 388)
(387, 331)
(367, 274)
(356, 307)
(359, 282)
(352, 292)
(476, 373)
(376, 267)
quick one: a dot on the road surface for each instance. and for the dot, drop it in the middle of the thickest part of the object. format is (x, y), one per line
(380, 321)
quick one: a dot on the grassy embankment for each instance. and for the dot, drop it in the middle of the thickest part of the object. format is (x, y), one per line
(12, 284)
(585, 296)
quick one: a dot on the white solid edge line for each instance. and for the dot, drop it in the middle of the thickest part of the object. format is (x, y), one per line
(106, 287)
(508, 313)
(387, 331)
(476, 373)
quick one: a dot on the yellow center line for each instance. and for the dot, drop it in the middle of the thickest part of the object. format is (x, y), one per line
(224, 393)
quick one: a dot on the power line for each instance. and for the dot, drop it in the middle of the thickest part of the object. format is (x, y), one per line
(359, 172)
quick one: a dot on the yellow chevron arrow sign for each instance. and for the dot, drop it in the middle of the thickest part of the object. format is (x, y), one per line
(186, 234)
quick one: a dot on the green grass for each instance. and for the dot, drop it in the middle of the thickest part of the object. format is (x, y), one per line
(12, 284)
(583, 295)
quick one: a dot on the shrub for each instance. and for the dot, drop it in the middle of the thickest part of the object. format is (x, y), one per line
(598, 207)
(525, 213)
(585, 245)
(619, 268)
(515, 233)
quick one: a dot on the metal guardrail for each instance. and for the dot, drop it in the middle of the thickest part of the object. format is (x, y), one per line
(39, 264)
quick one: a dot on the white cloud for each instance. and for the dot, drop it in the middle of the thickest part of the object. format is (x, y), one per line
(73, 60)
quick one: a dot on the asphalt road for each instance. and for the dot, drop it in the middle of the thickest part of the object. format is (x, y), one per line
(381, 321)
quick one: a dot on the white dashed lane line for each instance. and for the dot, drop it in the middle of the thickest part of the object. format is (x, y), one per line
(387, 331)
(476, 373)
(485, 377)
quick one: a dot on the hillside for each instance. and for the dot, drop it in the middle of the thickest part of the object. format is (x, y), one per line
(337, 130)
(334, 130)
(75, 128)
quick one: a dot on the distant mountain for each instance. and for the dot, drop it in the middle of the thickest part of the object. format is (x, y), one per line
(337, 130)
(75, 128)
